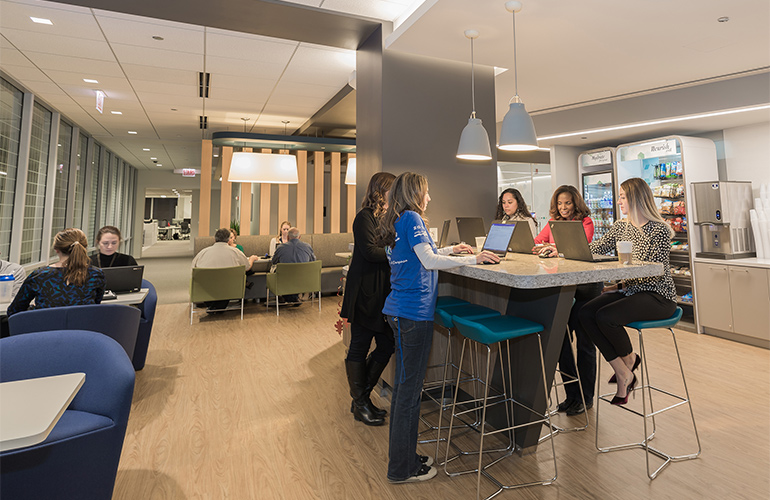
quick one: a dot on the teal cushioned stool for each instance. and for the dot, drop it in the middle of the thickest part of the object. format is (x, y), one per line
(443, 323)
(648, 412)
(484, 333)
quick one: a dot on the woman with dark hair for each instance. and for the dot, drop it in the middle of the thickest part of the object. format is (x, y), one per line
(567, 204)
(637, 299)
(366, 287)
(511, 206)
(69, 282)
(108, 240)
(410, 306)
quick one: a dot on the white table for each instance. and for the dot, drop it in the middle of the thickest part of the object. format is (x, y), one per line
(129, 299)
(30, 408)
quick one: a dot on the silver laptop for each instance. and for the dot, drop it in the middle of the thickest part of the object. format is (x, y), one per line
(444, 233)
(522, 240)
(571, 241)
(470, 227)
(497, 240)
(124, 279)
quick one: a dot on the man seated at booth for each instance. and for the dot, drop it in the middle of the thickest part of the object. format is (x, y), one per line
(294, 251)
(221, 254)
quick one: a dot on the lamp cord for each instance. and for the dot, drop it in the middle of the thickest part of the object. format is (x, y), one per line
(473, 84)
(515, 68)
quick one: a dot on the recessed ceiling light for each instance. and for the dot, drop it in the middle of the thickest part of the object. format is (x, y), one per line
(153, 158)
(163, 196)
(156, 37)
(145, 149)
(160, 164)
(132, 132)
(90, 80)
(116, 112)
(40, 20)
(216, 156)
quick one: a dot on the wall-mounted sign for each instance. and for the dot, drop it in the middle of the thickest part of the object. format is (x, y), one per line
(597, 158)
(99, 101)
(667, 147)
(188, 172)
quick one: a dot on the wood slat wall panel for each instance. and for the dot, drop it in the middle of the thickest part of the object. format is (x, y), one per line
(283, 196)
(318, 192)
(246, 203)
(352, 205)
(226, 192)
(204, 211)
(264, 205)
(335, 193)
(302, 191)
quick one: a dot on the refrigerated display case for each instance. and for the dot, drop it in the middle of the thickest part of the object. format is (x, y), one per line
(670, 165)
(596, 172)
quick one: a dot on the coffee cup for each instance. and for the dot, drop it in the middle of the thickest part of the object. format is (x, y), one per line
(480, 242)
(625, 249)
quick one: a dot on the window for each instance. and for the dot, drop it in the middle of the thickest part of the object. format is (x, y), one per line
(37, 174)
(94, 201)
(80, 181)
(61, 184)
(11, 100)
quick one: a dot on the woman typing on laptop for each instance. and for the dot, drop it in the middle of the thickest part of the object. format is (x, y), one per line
(69, 282)
(512, 207)
(566, 204)
(108, 240)
(639, 299)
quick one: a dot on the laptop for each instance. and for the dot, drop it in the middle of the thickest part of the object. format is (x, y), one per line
(570, 239)
(444, 234)
(522, 240)
(470, 227)
(497, 240)
(124, 279)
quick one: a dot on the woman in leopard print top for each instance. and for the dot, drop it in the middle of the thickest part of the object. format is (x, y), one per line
(639, 299)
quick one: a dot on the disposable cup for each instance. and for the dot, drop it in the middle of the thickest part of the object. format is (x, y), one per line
(480, 242)
(625, 249)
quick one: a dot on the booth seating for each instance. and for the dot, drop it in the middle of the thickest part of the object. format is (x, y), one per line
(325, 246)
(648, 413)
(147, 309)
(80, 457)
(117, 321)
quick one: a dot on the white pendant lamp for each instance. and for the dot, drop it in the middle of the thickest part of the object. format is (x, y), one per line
(474, 141)
(264, 168)
(517, 132)
(350, 175)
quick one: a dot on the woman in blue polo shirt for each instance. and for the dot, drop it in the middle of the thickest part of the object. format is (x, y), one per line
(414, 263)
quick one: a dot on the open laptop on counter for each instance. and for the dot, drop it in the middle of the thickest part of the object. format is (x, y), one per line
(571, 241)
(119, 280)
(496, 241)
(522, 240)
(442, 241)
(470, 227)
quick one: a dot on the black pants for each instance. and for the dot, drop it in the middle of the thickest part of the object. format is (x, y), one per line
(361, 339)
(603, 319)
(586, 350)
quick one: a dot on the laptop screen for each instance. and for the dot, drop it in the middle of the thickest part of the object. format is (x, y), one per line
(498, 238)
(470, 227)
(123, 279)
(444, 233)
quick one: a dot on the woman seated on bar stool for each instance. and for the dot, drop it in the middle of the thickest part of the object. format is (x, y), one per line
(638, 299)
(511, 206)
(410, 307)
(69, 282)
(108, 240)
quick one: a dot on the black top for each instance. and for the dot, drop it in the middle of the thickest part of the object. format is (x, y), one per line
(115, 260)
(368, 280)
(49, 289)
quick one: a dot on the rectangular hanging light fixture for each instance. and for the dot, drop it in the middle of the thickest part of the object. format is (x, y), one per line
(263, 168)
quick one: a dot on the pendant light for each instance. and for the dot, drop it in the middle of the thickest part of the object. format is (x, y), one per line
(264, 168)
(517, 132)
(474, 141)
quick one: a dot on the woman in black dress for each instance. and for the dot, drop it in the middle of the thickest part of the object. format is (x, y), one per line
(366, 288)
(108, 240)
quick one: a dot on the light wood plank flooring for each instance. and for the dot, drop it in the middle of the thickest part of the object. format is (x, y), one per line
(258, 409)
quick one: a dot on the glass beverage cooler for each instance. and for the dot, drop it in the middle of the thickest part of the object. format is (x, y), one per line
(596, 172)
(670, 165)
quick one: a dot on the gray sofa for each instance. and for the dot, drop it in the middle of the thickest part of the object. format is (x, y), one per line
(325, 246)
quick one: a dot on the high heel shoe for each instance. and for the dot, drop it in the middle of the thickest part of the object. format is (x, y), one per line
(614, 380)
(617, 400)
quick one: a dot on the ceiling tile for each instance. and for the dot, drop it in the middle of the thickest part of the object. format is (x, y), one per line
(133, 54)
(248, 47)
(93, 67)
(137, 31)
(58, 44)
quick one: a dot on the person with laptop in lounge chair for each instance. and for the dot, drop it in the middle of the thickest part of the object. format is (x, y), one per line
(293, 251)
(221, 254)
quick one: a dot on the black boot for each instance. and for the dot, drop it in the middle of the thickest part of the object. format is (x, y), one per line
(373, 371)
(362, 412)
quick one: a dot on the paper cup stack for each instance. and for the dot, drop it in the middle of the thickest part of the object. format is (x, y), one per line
(760, 222)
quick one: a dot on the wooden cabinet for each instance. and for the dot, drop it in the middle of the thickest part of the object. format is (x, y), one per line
(734, 298)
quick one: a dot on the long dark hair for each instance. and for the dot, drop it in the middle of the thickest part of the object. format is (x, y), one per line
(581, 209)
(521, 206)
(406, 193)
(72, 242)
(379, 185)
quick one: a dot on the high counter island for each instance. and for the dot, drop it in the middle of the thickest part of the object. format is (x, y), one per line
(539, 290)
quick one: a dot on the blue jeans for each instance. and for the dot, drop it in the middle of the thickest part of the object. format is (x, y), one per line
(413, 341)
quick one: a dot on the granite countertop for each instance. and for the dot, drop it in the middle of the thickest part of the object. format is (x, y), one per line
(530, 271)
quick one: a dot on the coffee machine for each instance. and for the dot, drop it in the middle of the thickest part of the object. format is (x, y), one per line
(722, 216)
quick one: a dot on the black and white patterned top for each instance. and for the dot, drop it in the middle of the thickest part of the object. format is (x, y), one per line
(652, 243)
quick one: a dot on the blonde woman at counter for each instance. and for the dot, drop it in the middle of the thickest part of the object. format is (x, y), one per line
(638, 299)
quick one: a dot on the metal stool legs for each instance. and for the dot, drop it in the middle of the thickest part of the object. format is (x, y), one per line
(555, 429)
(649, 429)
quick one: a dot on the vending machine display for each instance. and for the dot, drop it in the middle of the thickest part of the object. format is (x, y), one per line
(596, 169)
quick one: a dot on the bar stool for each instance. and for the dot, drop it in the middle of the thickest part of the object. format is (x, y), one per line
(443, 323)
(668, 323)
(484, 333)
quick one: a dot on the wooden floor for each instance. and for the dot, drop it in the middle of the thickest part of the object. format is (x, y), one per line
(259, 409)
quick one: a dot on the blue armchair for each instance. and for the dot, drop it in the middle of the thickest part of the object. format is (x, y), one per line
(147, 308)
(79, 459)
(117, 321)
